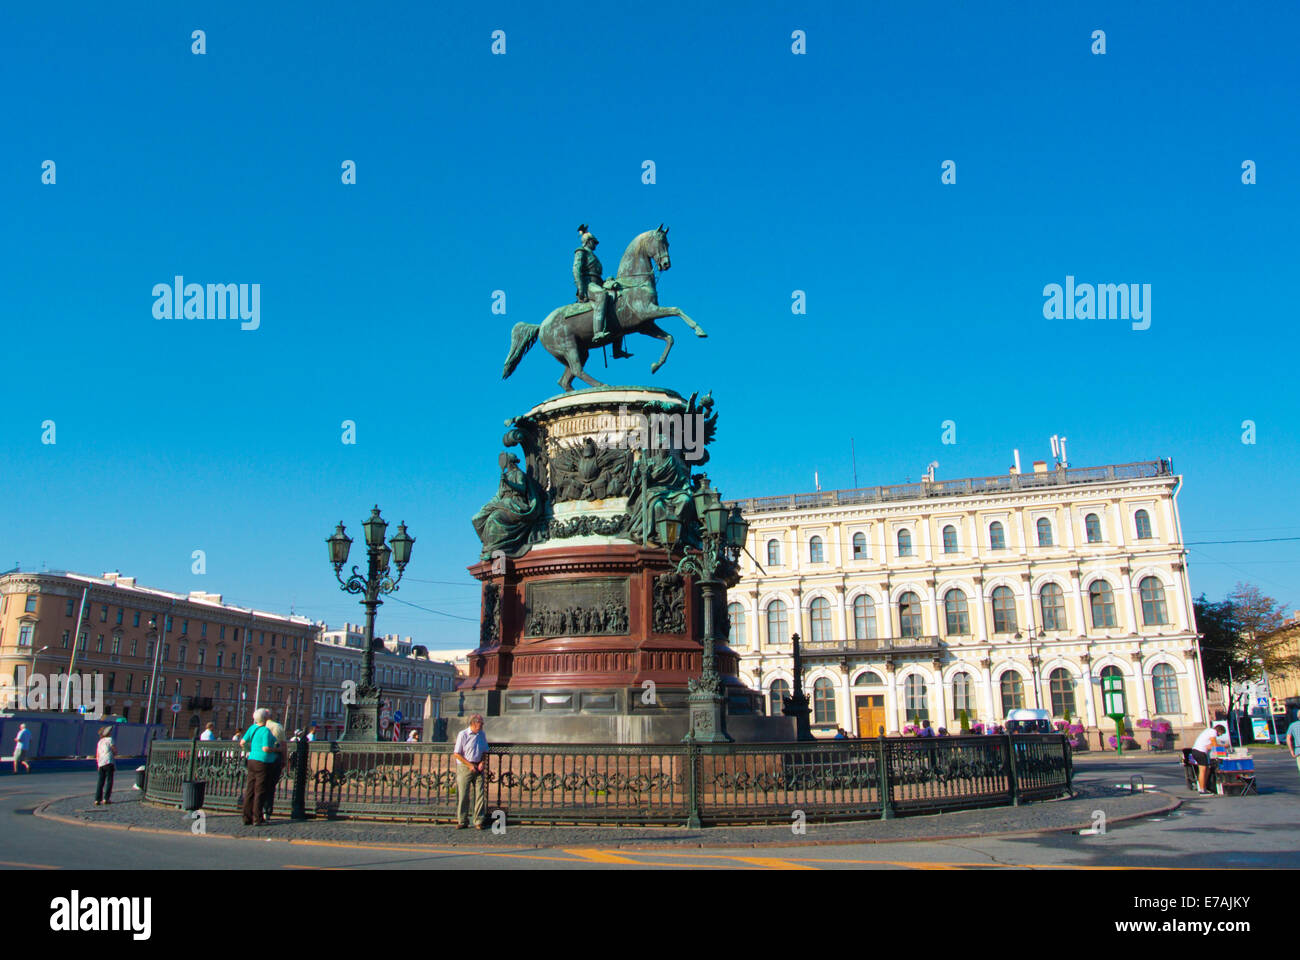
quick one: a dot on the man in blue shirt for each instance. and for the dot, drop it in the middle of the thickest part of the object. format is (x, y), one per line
(470, 755)
(22, 748)
(261, 753)
(1293, 740)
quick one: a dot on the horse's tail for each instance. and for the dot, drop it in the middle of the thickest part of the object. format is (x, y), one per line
(522, 338)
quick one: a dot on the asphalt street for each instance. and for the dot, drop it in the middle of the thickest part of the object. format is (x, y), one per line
(1205, 832)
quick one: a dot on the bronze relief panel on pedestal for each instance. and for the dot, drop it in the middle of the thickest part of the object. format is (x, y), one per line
(577, 608)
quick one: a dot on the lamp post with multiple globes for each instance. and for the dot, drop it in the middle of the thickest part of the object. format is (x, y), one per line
(362, 712)
(713, 565)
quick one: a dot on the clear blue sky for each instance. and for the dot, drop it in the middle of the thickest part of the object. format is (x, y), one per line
(776, 172)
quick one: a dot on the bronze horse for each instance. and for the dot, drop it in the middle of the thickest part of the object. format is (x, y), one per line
(566, 333)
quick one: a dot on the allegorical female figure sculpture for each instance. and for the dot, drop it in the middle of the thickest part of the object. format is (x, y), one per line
(505, 522)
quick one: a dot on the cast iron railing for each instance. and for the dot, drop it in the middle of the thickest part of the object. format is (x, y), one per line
(645, 784)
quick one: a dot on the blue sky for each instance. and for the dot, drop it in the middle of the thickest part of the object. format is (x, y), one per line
(776, 172)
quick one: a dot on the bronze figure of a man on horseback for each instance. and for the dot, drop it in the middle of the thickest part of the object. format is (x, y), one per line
(605, 311)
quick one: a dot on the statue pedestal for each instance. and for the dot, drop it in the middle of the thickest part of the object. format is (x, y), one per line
(587, 631)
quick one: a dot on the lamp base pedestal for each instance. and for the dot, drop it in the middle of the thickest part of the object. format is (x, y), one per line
(361, 719)
(708, 711)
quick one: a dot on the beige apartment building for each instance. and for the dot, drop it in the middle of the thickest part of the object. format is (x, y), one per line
(215, 662)
(972, 597)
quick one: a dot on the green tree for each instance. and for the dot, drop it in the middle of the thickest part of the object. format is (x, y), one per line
(1259, 620)
(1216, 621)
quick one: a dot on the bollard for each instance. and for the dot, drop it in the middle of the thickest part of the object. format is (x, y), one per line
(886, 801)
(1012, 778)
(302, 758)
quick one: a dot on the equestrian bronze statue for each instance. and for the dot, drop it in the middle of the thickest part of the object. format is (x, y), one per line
(627, 303)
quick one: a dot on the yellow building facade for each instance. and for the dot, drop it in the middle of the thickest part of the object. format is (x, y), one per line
(943, 599)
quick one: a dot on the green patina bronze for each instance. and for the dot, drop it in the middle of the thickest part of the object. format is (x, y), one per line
(606, 310)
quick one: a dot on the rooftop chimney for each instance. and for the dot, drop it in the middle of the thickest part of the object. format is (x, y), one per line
(1040, 466)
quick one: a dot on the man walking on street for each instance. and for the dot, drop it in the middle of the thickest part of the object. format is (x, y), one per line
(22, 748)
(471, 767)
(1201, 749)
(1293, 740)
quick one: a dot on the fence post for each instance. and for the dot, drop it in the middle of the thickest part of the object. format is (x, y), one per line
(1013, 780)
(693, 785)
(1069, 765)
(886, 803)
(298, 808)
(194, 752)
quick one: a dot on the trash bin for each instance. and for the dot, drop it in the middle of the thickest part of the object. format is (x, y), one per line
(139, 777)
(192, 794)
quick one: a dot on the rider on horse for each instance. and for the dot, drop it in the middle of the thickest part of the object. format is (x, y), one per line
(587, 276)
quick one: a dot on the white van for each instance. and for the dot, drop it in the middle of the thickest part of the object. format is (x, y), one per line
(1029, 721)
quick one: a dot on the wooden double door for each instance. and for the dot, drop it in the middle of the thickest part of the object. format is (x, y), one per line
(871, 714)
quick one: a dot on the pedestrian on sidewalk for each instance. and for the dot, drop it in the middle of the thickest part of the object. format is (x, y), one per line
(209, 733)
(106, 762)
(1217, 734)
(22, 748)
(1293, 740)
(275, 770)
(260, 742)
(470, 754)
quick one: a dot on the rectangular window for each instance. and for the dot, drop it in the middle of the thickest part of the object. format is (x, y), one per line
(135, 618)
(149, 654)
(167, 651)
(180, 658)
(167, 624)
(117, 645)
(203, 630)
(135, 646)
(103, 613)
(25, 632)
(30, 607)
(112, 679)
(120, 614)
(129, 678)
(99, 643)
(67, 638)
(221, 655)
(221, 633)
(185, 626)
(67, 612)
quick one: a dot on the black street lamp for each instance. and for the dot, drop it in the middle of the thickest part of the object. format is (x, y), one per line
(362, 715)
(722, 537)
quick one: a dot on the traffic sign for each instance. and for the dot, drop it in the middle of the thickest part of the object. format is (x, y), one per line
(397, 716)
(383, 722)
(1261, 701)
(176, 708)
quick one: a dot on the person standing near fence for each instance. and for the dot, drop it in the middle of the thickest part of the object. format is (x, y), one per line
(471, 768)
(261, 744)
(106, 762)
(275, 770)
(22, 748)
(1293, 740)
(209, 733)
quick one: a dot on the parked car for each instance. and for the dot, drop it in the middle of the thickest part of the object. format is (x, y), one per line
(1029, 721)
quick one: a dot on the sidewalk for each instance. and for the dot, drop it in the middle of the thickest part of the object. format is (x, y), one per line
(128, 813)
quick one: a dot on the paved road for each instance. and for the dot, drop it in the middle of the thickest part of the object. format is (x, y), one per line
(1205, 832)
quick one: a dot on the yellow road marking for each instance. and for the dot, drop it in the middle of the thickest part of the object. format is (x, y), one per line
(601, 856)
(33, 866)
(772, 863)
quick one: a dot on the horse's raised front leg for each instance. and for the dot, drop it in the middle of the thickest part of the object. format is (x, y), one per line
(658, 312)
(652, 329)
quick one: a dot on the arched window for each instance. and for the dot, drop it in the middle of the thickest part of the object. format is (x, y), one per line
(1114, 671)
(1013, 692)
(869, 679)
(737, 636)
(1165, 684)
(909, 615)
(963, 695)
(1142, 520)
(778, 623)
(904, 543)
(815, 552)
(1044, 532)
(917, 702)
(1051, 600)
(950, 539)
(1061, 686)
(778, 692)
(1004, 610)
(956, 612)
(997, 536)
(774, 553)
(1153, 602)
(1092, 526)
(864, 618)
(859, 546)
(1102, 600)
(824, 701)
(819, 612)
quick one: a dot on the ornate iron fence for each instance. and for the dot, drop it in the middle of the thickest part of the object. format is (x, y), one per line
(694, 784)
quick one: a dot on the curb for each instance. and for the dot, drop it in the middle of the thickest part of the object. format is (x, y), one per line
(41, 811)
